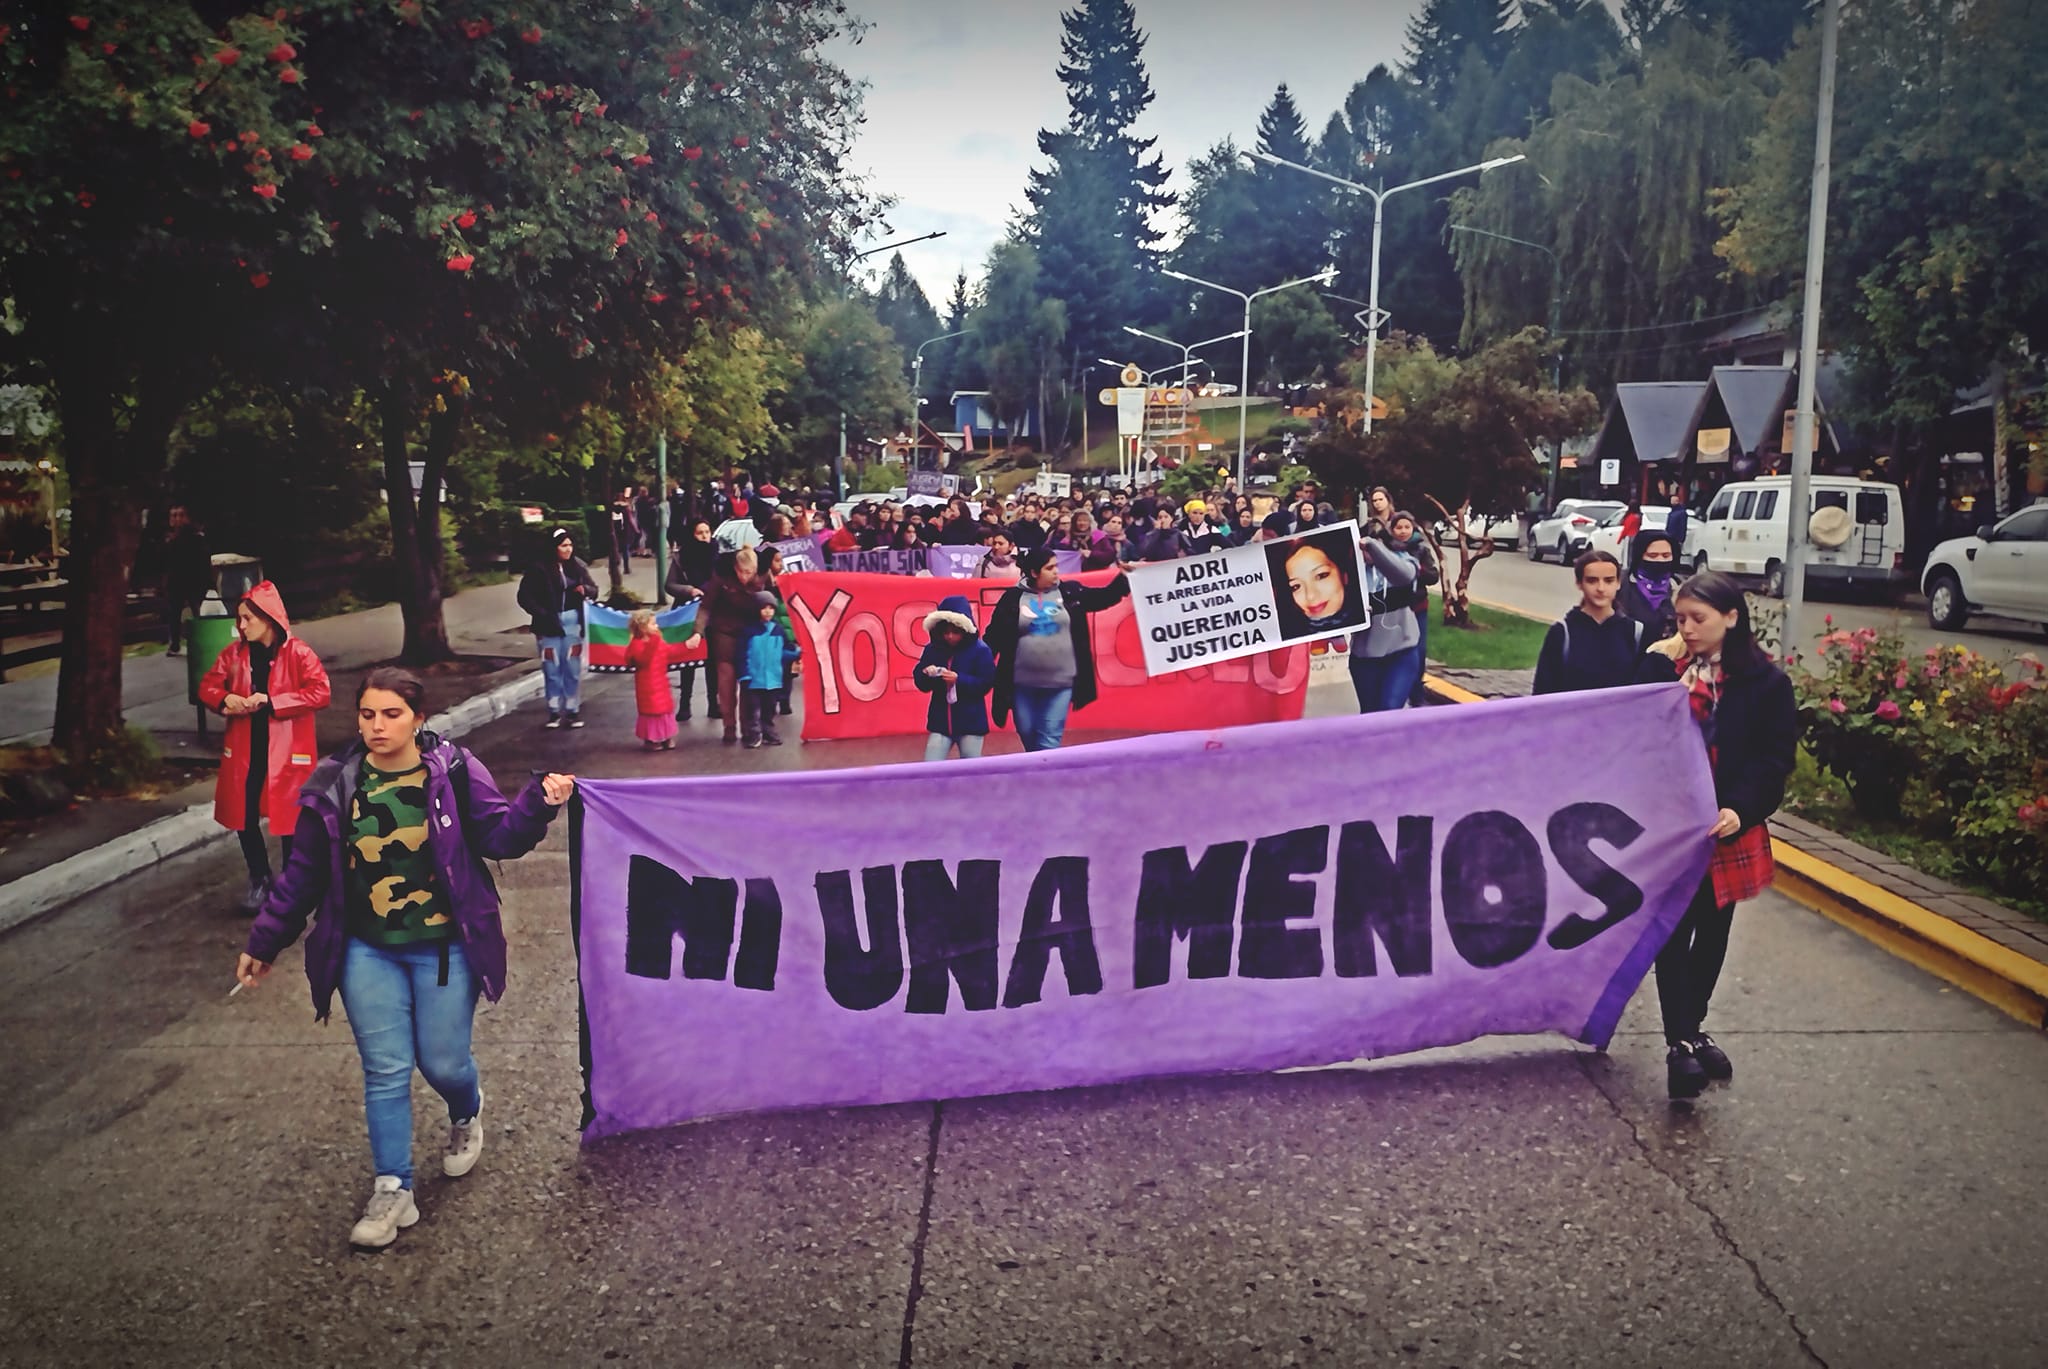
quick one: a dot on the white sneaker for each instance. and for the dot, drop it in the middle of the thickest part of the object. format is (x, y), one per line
(390, 1208)
(465, 1143)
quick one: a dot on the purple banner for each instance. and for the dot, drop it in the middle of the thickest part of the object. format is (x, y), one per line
(1284, 894)
(964, 563)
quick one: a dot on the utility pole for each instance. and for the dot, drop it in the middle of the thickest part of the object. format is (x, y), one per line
(1792, 637)
(661, 519)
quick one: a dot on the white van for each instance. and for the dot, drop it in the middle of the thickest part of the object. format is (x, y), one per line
(1857, 529)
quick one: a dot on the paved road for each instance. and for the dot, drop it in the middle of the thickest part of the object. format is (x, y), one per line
(1511, 580)
(184, 1169)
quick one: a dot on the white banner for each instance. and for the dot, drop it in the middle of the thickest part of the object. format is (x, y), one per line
(1204, 609)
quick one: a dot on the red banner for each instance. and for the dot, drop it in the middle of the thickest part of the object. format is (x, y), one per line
(862, 634)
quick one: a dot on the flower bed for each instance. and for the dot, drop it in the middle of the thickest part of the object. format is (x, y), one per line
(1944, 743)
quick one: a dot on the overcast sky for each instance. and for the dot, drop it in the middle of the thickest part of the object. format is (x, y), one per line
(958, 89)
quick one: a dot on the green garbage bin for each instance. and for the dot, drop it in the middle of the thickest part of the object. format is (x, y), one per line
(205, 639)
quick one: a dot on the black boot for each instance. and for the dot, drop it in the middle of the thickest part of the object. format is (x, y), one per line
(1713, 1060)
(1686, 1076)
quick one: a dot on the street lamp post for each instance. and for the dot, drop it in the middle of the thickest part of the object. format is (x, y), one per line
(916, 379)
(1379, 202)
(1244, 376)
(1556, 323)
(839, 458)
(1187, 349)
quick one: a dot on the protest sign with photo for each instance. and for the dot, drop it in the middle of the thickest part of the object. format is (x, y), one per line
(1018, 923)
(1244, 600)
(861, 636)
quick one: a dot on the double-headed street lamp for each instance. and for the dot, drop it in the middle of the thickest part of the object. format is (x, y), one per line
(1187, 349)
(1244, 379)
(1374, 317)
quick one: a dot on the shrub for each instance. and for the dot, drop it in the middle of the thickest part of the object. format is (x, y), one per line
(1944, 742)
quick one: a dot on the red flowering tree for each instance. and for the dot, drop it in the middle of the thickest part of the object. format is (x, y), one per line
(439, 205)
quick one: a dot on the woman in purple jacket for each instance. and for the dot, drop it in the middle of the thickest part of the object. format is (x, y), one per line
(388, 856)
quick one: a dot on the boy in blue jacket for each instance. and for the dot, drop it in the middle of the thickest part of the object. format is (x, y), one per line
(957, 670)
(764, 670)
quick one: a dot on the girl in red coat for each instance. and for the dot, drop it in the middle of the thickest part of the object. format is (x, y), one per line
(648, 655)
(267, 685)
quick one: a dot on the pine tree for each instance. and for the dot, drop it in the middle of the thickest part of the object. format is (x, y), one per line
(1092, 207)
(1294, 228)
(1439, 37)
(901, 305)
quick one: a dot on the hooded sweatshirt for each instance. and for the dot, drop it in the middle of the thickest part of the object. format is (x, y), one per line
(1392, 627)
(1579, 653)
(958, 708)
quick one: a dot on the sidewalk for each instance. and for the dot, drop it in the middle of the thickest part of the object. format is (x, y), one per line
(1993, 951)
(485, 627)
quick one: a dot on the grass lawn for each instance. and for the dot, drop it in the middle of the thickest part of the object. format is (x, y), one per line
(1219, 425)
(1822, 799)
(1495, 641)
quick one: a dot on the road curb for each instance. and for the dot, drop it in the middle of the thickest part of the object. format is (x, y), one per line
(2013, 983)
(52, 887)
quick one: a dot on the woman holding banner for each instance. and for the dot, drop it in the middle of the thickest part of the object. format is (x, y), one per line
(689, 569)
(1045, 658)
(1745, 710)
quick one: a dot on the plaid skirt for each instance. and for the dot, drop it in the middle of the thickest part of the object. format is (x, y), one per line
(1742, 866)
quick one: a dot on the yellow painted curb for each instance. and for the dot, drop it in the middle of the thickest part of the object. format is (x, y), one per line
(2015, 984)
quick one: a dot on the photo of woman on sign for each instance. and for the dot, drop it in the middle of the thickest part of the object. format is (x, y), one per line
(1315, 584)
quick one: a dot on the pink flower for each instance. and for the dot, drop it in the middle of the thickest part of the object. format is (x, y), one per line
(1888, 711)
(1828, 620)
(1899, 680)
(1932, 672)
(2028, 812)
(1837, 706)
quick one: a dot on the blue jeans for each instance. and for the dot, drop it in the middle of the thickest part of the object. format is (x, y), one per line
(937, 744)
(403, 1016)
(1385, 682)
(561, 667)
(1042, 716)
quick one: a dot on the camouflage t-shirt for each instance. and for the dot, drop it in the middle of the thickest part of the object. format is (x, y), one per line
(394, 897)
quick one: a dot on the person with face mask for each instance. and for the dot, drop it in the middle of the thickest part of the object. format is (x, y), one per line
(1646, 592)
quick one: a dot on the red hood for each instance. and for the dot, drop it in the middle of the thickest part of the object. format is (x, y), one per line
(264, 598)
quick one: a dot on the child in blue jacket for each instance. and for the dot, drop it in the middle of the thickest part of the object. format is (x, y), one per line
(764, 671)
(957, 670)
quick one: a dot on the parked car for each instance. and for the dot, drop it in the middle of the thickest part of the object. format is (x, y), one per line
(1607, 537)
(1505, 530)
(1857, 529)
(2001, 569)
(1569, 530)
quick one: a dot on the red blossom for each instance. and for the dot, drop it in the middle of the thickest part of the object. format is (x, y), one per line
(290, 76)
(107, 48)
(301, 153)
(199, 128)
(461, 262)
(268, 192)
(85, 199)
(620, 240)
(474, 29)
(652, 217)
(80, 22)
(315, 131)
(531, 33)
(643, 160)
(740, 140)
(692, 153)
(657, 298)
(227, 57)
(283, 52)
(260, 279)
(250, 137)
(466, 219)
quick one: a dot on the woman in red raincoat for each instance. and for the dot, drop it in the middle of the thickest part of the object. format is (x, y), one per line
(267, 684)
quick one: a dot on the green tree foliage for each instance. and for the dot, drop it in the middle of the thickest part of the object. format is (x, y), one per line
(1294, 339)
(1937, 268)
(1457, 434)
(901, 305)
(955, 363)
(1224, 234)
(1291, 227)
(1440, 36)
(1020, 330)
(847, 362)
(1092, 207)
(1618, 185)
(441, 208)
